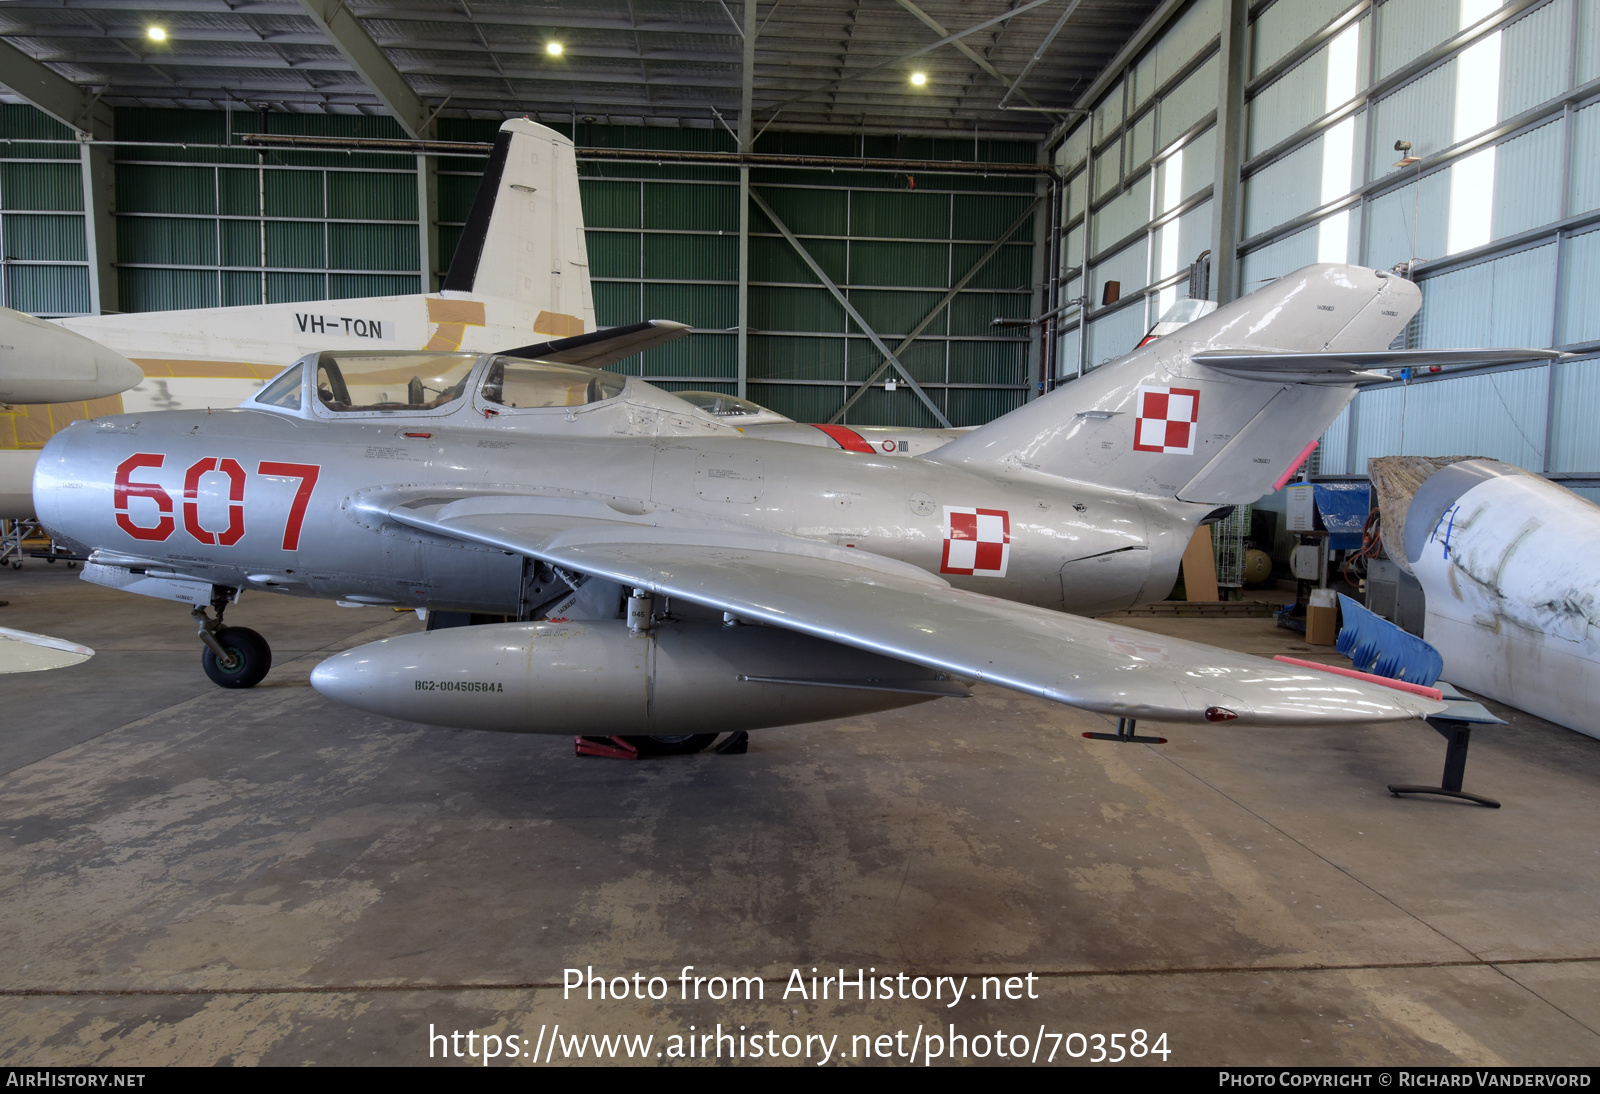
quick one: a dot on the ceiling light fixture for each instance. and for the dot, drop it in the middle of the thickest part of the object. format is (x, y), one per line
(919, 78)
(553, 48)
(156, 34)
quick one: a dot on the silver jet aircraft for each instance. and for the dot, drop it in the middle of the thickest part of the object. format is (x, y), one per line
(663, 574)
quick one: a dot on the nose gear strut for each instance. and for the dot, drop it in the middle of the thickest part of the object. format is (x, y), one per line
(234, 657)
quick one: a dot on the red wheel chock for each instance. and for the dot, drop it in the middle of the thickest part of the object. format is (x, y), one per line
(615, 748)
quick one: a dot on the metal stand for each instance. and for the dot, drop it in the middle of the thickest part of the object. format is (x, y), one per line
(1125, 734)
(1459, 734)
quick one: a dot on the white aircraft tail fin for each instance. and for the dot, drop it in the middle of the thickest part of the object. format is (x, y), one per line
(524, 239)
(1163, 421)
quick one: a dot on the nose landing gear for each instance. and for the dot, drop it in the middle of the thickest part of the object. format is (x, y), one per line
(234, 657)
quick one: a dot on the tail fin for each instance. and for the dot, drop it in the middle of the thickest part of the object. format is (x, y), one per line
(524, 240)
(1158, 421)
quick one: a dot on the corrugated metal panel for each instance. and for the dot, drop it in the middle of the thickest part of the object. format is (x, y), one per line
(1409, 28)
(293, 193)
(1075, 149)
(1581, 283)
(795, 310)
(1533, 58)
(772, 259)
(892, 313)
(925, 360)
(715, 307)
(372, 196)
(48, 290)
(22, 120)
(1285, 189)
(449, 236)
(1284, 25)
(788, 358)
(348, 286)
(614, 254)
(911, 215)
(1140, 143)
(286, 288)
(1187, 103)
(176, 241)
(691, 257)
(1142, 84)
(1194, 235)
(1504, 302)
(373, 247)
(1193, 31)
(1076, 201)
(1575, 394)
(1392, 218)
(695, 355)
(240, 192)
(1199, 157)
(1585, 181)
(1289, 103)
(1108, 114)
(1130, 266)
(295, 244)
(457, 192)
(1114, 335)
(1500, 415)
(973, 407)
(803, 404)
(682, 205)
(1010, 268)
(1127, 213)
(1072, 253)
(982, 216)
(58, 237)
(1378, 431)
(1276, 259)
(893, 408)
(1588, 41)
(972, 312)
(1333, 453)
(163, 290)
(617, 303)
(879, 263)
(1067, 354)
(1423, 112)
(1523, 170)
(806, 212)
(42, 187)
(989, 362)
(240, 288)
(1107, 170)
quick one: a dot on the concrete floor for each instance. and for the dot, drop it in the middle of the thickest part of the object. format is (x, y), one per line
(195, 876)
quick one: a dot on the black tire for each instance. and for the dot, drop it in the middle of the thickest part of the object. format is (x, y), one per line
(253, 657)
(682, 745)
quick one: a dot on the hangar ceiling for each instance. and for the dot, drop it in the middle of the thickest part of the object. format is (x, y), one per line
(819, 64)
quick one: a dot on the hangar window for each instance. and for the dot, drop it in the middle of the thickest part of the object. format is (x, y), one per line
(521, 384)
(357, 382)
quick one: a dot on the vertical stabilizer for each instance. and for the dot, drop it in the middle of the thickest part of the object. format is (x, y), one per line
(1157, 421)
(524, 240)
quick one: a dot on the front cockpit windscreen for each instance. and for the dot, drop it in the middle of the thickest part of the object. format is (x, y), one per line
(520, 384)
(348, 383)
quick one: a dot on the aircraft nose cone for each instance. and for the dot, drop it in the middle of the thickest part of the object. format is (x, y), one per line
(115, 374)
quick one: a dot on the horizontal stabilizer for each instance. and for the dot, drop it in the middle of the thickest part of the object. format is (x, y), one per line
(603, 347)
(1346, 366)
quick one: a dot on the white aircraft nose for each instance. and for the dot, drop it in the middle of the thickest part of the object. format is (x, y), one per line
(114, 374)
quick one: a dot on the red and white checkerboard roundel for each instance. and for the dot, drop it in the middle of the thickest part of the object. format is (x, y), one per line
(976, 542)
(1166, 420)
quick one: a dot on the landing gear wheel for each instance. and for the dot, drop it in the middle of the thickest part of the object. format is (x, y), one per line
(252, 657)
(682, 745)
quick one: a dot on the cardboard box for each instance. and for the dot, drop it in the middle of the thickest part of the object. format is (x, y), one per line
(1322, 626)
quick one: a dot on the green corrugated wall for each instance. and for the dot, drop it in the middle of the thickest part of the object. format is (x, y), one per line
(202, 226)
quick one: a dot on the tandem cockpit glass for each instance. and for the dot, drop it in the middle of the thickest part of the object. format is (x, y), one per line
(378, 383)
(519, 384)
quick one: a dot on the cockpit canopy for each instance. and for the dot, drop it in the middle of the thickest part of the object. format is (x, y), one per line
(355, 382)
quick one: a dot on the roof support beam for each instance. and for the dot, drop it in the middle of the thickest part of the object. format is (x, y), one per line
(747, 96)
(76, 107)
(968, 52)
(1225, 190)
(849, 309)
(933, 313)
(1038, 54)
(351, 39)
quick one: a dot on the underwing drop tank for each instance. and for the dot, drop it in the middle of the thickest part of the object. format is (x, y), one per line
(598, 677)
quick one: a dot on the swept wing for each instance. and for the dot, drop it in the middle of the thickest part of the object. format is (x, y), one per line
(887, 607)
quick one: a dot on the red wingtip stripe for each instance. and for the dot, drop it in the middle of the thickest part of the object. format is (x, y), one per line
(1388, 682)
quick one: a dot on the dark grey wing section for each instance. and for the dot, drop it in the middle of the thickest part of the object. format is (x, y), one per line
(1339, 366)
(888, 607)
(603, 347)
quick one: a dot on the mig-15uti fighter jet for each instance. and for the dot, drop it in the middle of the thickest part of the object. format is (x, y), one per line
(668, 575)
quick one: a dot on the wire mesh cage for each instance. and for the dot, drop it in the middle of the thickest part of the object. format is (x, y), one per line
(1228, 541)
